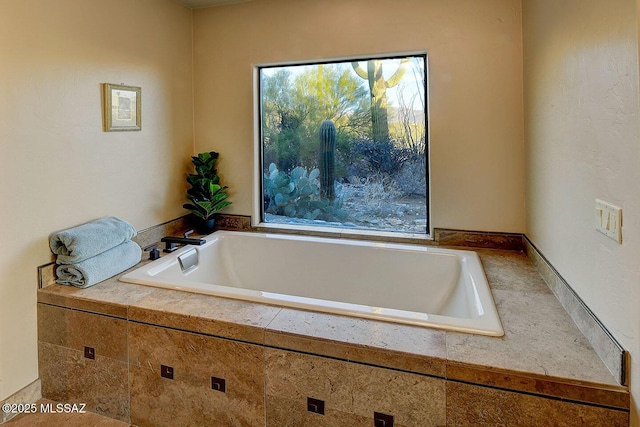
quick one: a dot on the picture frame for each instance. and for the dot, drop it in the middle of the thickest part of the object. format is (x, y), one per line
(122, 107)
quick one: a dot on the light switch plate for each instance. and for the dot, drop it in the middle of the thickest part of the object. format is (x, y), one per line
(609, 220)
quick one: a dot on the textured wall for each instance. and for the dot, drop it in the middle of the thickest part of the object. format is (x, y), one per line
(475, 57)
(58, 167)
(582, 143)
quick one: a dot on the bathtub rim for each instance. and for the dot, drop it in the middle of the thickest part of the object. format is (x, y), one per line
(488, 323)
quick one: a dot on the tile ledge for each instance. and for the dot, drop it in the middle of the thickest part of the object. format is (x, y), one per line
(539, 377)
(579, 391)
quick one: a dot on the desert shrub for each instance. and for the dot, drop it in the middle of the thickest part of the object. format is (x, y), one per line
(373, 157)
(410, 179)
(380, 188)
(383, 163)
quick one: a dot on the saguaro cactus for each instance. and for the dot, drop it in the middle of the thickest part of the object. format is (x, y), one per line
(327, 158)
(378, 89)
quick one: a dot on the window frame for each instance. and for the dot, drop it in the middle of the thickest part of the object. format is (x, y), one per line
(258, 216)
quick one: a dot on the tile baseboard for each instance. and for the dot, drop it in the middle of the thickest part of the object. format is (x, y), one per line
(28, 395)
(606, 346)
(478, 239)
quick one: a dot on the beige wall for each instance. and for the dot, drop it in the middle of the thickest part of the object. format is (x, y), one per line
(582, 142)
(475, 57)
(57, 167)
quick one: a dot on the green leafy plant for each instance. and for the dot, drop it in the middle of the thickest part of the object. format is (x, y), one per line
(206, 195)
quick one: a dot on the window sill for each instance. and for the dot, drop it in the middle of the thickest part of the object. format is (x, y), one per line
(346, 233)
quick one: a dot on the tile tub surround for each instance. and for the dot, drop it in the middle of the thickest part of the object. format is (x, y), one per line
(543, 359)
(600, 339)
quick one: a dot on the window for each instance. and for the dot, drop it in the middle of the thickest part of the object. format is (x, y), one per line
(344, 144)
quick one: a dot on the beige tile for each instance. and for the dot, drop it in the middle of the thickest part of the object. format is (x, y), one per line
(469, 405)
(233, 222)
(27, 395)
(110, 297)
(68, 377)
(540, 264)
(283, 412)
(609, 351)
(352, 392)
(77, 329)
(46, 275)
(511, 270)
(601, 340)
(413, 400)
(295, 377)
(208, 314)
(382, 343)
(153, 234)
(66, 298)
(398, 360)
(157, 401)
(309, 345)
(540, 338)
(62, 419)
(348, 233)
(612, 396)
(478, 239)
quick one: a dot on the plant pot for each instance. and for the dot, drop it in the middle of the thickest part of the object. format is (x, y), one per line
(205, 226)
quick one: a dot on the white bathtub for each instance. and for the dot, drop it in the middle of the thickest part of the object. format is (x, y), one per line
(416, 285)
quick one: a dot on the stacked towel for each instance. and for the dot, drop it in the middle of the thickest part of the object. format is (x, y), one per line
(100, 267)
(93, 252)
(85, 241)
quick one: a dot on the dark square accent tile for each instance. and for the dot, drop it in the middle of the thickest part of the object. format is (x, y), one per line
(90, 353)
(315, 405)
(382, 420)
(218, 384)
(166, 372)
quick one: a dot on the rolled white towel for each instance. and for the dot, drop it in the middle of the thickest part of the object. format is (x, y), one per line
(77, 244)
(100, 267)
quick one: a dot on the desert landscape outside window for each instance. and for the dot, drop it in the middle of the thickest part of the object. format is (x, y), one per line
(345, 144)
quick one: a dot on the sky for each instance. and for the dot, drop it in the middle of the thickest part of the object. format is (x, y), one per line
(411, 84)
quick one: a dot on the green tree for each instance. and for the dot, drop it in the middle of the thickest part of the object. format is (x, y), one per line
(295, 104)
(331, 92)
(281, 119)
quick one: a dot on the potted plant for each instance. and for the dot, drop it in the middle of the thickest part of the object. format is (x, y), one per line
(206, 195)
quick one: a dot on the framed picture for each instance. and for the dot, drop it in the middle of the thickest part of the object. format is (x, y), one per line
(122, 105)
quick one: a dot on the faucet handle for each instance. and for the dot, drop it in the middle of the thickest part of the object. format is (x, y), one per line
(154, 253)
(186, 233)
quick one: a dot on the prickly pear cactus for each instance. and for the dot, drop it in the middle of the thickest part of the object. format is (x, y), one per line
(297, 195)
(327, 158)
